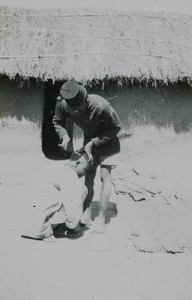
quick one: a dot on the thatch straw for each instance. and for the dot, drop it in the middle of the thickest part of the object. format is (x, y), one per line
(86, 45)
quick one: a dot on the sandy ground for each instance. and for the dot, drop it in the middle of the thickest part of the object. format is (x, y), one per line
(95, 266)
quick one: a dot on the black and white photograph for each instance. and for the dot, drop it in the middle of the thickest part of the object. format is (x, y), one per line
(96, 150)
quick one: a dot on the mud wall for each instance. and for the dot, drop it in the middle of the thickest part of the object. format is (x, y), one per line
(21, 116)
(161, 106)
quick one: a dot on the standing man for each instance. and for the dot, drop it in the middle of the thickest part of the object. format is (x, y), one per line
(100, 124)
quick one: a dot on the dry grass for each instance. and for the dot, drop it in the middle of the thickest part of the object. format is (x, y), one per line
(88, 45)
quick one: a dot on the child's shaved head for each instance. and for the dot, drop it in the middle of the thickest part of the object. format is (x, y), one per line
(81, 163)
(77, 155)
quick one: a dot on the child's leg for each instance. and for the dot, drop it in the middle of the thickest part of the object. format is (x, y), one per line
(45, 210)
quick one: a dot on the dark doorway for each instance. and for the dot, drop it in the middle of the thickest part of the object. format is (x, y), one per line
(50, 140)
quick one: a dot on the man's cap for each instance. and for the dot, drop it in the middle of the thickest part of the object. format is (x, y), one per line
(73, 93)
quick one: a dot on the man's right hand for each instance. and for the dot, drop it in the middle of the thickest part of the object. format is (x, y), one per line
(88, 149)
(67, 144)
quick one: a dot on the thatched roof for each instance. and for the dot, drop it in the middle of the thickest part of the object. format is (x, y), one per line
(86, 45)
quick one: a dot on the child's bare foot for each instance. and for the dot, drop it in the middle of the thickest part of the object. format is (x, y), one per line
(98, 227)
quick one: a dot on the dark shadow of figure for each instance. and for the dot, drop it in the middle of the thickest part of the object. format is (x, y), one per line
(111, 211)
(50, 139)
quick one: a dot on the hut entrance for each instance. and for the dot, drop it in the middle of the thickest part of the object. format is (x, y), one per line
(50, 140)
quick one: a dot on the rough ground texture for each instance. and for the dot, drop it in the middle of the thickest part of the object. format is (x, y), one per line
(134, 259)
